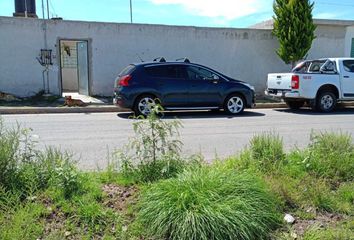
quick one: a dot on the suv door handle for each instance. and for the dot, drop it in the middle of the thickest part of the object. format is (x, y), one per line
(345, 76)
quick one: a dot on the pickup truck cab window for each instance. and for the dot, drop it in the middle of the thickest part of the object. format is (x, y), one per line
(329, 67)
(348, 65)
(315, 66)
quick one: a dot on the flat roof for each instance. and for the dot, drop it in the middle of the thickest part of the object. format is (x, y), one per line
(268, 24)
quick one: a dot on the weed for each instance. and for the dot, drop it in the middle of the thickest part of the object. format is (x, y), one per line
(26, 170)
(331, 156)
(344, 198)
(265, 154)
(342, 232)
(22, 222)
(9, 156)
(209, 203)
(154, 152)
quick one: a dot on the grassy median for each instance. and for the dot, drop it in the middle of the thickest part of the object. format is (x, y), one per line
(149, 191)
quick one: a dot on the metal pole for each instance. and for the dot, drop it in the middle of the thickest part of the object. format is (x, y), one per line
(131, 12)
(47, 9)
(43, 9)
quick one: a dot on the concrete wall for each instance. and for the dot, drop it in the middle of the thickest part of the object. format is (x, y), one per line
(348, 40)
(330, 42)
(246, 54)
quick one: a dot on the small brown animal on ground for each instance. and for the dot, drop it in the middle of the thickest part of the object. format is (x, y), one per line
(73, 102)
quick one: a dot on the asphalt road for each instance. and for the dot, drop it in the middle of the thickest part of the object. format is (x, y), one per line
(93, 137)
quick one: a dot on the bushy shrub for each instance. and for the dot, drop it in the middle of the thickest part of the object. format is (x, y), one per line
(331, 155)
(209, 203)
(154, 152)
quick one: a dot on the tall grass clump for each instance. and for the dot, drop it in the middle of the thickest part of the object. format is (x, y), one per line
(9, 155)
(25, 170)
(209, 203)
(267, 151)
(155, 151)
(331, 155)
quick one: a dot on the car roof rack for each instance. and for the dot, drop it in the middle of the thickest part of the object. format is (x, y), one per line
(159, 59)
(186, 60)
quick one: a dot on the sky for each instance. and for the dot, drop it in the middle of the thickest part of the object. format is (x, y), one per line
(205, 13)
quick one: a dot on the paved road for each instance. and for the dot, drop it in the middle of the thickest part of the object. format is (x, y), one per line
(92, 136)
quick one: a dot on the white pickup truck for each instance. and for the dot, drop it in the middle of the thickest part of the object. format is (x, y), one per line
(319, 83)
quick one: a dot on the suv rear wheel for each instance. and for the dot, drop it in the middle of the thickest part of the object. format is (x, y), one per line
(234, 104)
(143, 104)
(326, 101)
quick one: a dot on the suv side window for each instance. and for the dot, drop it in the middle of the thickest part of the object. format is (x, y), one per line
(348, 65)
(198, 73)
(166, 71)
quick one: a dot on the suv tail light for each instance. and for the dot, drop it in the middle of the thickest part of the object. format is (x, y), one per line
(124, 80)
(295, 82)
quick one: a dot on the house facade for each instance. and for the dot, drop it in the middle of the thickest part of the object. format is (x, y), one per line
(86, 57)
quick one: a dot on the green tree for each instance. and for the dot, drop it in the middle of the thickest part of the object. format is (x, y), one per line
(294, 28)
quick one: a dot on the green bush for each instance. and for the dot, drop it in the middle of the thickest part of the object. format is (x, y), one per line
(331, 155)
(208, 203)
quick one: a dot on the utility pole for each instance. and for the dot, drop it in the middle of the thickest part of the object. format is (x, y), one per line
(43, 9)
(131, 12)
(47, 9)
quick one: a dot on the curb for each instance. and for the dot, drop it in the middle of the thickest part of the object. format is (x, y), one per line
(102, 109)
(42, 110)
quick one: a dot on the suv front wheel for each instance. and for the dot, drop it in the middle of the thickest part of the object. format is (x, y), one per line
(143, 105)
(234, 104)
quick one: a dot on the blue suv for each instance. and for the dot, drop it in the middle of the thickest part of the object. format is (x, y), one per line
(180, 86)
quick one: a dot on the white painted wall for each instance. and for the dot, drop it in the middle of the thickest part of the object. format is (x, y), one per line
(245, 54)
(348, 40)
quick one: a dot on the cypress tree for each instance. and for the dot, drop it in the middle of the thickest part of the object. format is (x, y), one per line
(294, 28)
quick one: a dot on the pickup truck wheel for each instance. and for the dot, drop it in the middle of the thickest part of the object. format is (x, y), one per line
(326, 101)
(234, 104)
(295, 104)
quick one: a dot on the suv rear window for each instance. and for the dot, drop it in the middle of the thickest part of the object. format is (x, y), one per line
(166, 71)
(128, 69)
